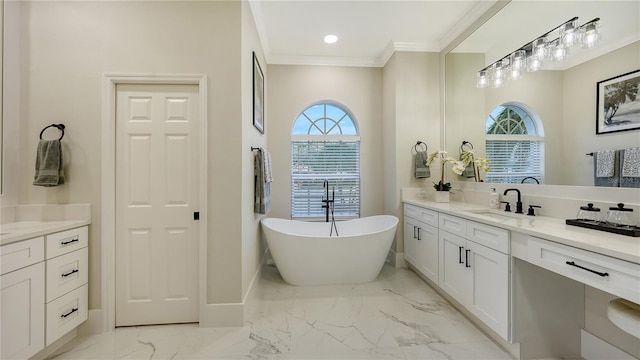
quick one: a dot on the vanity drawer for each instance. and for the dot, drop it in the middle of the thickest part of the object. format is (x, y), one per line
(67, 272)
(427, 216)
(603, 272)
(489, 236)
(66, 312)
(67, 241)
(453, 225)
(21, 254)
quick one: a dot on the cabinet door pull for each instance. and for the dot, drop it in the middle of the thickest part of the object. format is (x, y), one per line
(414, 231)
(69, 313)
(466, 258)
(74, 239)
(460, 254)
(70, 273)
(603, 274)
(419, 234)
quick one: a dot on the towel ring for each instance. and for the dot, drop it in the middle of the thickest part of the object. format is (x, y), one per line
(415, 147)
(465, 143)
(57, 126)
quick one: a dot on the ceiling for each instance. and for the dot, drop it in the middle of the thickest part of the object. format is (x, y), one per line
(369, 31)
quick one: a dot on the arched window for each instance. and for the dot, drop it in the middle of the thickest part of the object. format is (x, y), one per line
(325, 146)
(514, 144)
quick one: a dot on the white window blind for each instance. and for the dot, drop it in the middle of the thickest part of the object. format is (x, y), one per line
(312, 162)
(513, 160)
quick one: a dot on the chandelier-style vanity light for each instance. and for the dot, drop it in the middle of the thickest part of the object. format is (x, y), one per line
(531, 56)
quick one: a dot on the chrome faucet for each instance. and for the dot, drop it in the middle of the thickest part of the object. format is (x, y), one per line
(519, 202)
(326, 200)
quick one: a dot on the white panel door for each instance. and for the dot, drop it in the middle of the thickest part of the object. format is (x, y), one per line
(156, 196)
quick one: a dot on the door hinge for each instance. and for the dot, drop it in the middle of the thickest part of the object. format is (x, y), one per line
(196, 215)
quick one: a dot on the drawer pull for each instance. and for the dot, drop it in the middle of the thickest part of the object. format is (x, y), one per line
(460, 254)
(74, 239)
(70, 273)
(69, 313)
(603, 274)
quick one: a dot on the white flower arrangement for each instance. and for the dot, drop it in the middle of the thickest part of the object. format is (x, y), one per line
(441, 156)
(468, 157)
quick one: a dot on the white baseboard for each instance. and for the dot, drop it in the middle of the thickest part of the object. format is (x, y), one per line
(396, 259)
(594, 348)
(222, 315)
(93, 325)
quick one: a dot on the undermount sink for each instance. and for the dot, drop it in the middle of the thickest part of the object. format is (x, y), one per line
(495, 214)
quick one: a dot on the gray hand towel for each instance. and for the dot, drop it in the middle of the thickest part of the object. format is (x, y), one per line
(631, 162)
(625, 180)
(262, 189)
(422, 170)
(605, 161)
(613, 181)
(49, 164)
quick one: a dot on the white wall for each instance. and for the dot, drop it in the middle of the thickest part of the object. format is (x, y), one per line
(67, 46)
(11, 105)
(579, 119)
(252, 247)
(412, 112)
(293, 88)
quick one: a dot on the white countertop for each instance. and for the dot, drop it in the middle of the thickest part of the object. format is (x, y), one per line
(22, 230)
(601, 242)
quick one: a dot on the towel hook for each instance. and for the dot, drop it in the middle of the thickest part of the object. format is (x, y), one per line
(57, 126)
(415, 147)
(465, 143)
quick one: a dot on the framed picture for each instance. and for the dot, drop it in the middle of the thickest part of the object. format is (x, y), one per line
(258, 95)
(618, 103)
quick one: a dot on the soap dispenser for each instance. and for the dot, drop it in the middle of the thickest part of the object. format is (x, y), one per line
(494, 199)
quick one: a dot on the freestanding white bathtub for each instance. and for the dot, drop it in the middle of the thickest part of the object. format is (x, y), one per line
(306, 255)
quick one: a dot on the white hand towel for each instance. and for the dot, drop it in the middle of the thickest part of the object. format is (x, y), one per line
(631, 163)
(605, 161)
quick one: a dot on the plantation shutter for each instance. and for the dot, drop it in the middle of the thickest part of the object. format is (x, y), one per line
(513, 160)
(313, 161)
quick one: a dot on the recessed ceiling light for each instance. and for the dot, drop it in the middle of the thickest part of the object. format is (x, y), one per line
(330, 39)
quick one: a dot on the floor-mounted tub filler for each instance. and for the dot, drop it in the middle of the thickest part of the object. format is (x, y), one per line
(305, 254)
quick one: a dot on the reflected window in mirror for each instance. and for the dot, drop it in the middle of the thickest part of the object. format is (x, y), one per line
(514, 144)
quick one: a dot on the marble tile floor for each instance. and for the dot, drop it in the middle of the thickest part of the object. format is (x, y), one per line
(397, 316)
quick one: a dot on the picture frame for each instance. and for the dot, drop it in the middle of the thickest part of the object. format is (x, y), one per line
(258, 95)
(618, 103)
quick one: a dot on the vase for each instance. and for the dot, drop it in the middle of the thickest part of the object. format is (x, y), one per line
(442, 196)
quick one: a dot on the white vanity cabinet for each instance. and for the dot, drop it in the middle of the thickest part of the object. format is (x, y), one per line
(474, 269)
(421, 240)
(43, 290)
(22, 297)
(67, 277)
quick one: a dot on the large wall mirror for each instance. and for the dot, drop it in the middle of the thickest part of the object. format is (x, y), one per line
(562, 95)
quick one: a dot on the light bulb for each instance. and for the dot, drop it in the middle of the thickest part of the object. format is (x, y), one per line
(590, 35)
(569, 33)
(534, 63)
(482, 79)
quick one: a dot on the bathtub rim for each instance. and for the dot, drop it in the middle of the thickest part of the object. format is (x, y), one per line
(387, 228)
